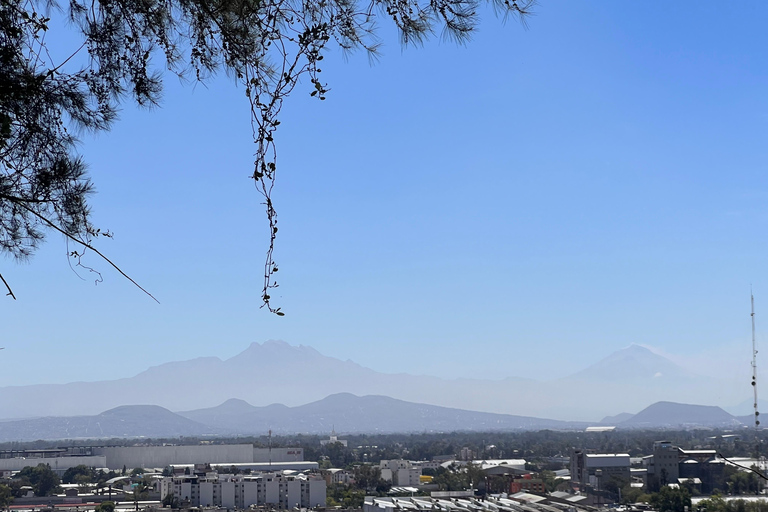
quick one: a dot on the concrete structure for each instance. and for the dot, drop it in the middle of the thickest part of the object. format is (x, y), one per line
(59, 459)
(281, 491)
(400, 472)
(670, 465)
(278, 454)
(596, 469)
(486, 464)
(117, 457)
(664, 467)
(338, 476)
(534, 485)
(241, 467)
(333, 439)
(163, 456)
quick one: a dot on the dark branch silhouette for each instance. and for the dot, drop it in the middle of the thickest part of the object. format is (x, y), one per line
(267, 46)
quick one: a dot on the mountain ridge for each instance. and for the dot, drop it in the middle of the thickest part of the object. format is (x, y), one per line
(343, 412)
(277, 372)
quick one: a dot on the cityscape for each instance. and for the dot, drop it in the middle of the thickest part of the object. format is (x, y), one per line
(368, 453)
(383, 256)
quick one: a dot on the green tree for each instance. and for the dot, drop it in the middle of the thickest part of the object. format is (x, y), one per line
(105, 506)
(6, 496)
(71, 474)
(266, 46)
(366, 477)
(453, 478)
(671, 500)
(631, 495)
(714, 503)
(41, 477)
(743, 482)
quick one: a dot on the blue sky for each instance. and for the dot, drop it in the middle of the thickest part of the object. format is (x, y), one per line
(523, 205)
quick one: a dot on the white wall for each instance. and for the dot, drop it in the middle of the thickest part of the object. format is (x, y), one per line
(278, 454)
(273, 490)
(317, 493)
(162, 456)
(294, 493)
(250, 495)
(58, 464)
(206, 494)
(228, 494)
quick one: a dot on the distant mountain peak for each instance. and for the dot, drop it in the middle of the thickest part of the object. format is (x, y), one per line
(635, 363)
(128, 410)
(274, 349)
(236, 404)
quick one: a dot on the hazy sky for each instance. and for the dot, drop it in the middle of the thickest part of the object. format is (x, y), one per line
(523, 205)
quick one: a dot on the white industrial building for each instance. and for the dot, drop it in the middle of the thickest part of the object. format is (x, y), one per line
(163, 456)
(118, 457)
(59, 459)
(400, 472)
(283, 491)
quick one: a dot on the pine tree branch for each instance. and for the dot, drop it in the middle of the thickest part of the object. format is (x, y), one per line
(83, 243)
(10, 292)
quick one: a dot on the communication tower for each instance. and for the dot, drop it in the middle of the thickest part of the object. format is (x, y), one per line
(759, 460)
(754, 362)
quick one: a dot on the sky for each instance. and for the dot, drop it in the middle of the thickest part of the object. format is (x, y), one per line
(522, 205)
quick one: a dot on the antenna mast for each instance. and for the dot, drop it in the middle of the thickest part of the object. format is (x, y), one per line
(754, 361)
(758, 459)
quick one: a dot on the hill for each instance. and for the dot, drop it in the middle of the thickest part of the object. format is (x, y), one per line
(124, 421)
(367, 414)
(675, 415)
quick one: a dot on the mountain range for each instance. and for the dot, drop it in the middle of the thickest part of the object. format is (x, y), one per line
(353, 414)
(367, 414)
(276, 372)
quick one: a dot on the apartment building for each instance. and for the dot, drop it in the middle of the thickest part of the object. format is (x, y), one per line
(282, 491)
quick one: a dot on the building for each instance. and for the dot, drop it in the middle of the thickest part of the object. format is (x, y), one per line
(338, 476)
(279, 490)
(59, 459)
(447, 501)
(670, 464)
(595, 469)
(400, 472)
(246, 456)
(247, 467)
(165, 455)
(527, 484)
(333, 439)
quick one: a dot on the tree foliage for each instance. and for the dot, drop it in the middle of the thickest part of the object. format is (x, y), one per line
(105, 506)
(6, 496)
(267, 46)
(43, 480)
(342, 496)
(367, 477)
(670, 499)
(716, 503)
(71, 474)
